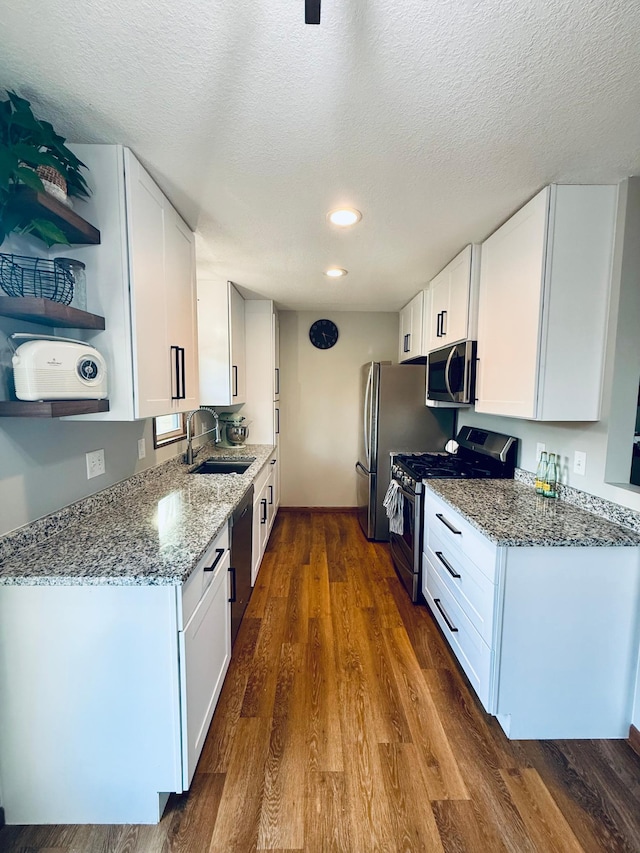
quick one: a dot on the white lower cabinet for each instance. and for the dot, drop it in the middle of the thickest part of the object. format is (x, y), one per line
(107, 693)
(547, 636)
(266, 500)
(205, 653)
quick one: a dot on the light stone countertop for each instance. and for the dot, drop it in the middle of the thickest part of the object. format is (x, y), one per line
(510, 513)
(150, 530)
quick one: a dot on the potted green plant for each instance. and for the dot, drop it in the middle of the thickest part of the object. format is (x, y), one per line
(26, 145)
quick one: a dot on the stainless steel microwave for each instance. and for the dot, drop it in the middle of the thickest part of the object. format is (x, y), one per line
(451, 374)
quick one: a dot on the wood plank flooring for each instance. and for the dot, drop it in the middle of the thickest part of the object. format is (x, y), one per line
(345, 726)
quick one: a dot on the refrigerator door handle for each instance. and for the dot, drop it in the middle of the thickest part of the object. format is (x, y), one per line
(366, 417)
(360, 466)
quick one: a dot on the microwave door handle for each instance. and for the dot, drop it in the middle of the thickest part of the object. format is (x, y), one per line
(446, 372)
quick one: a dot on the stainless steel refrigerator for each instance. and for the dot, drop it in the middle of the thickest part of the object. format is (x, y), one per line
(394, 418)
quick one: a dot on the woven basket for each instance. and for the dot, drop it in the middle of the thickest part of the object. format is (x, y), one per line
(54, 183)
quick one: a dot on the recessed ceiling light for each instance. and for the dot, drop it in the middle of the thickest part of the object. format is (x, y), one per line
(335, 272)
(344, 216)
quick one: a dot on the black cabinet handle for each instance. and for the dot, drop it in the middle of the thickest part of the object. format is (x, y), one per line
(233, 584)
(175, 352)
(448, 524)
(447, 565)
(450, 624)
(277, 380)
(406, 344)
(219, 553)
(183, 372)
(442, 328)
(178, 373)
(270, 495)
(277, 421)
(235, 380)
(273, 461)
(263, 504)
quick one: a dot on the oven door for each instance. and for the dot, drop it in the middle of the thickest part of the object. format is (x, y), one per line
(406, 546)
(451, 374)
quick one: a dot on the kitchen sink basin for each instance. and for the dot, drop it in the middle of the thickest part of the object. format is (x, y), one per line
(223, 466)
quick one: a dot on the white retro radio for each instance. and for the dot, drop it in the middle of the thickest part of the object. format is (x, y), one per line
(49, 368)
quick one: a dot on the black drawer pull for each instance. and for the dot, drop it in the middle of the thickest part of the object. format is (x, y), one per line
(447, 564)
(219, 553)
(450, 624)
(448, 524)
(263, 504)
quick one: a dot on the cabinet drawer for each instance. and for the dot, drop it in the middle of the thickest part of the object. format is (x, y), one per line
(473, 654)
(473, 591)
(198, 581)
(452, 529)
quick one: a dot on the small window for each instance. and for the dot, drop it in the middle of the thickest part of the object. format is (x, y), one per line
(168, 428)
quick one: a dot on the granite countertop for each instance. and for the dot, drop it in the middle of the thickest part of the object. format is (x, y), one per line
(510, 513)
(151, 529)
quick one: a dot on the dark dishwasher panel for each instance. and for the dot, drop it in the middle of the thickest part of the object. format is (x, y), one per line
(241, 542)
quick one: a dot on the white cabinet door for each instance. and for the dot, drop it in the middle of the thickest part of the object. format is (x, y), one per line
(182, 333)
(205, 652)
(221, 344)
(152, 358)
(276, 355)
(411, 319)
(545, 279)
(263, 373)
(510, 310)
(451, 315)
(238, 357)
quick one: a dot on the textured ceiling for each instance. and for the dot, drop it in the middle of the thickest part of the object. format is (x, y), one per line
(435, 118)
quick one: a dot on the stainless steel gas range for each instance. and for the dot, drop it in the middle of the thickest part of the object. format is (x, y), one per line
(480, 454)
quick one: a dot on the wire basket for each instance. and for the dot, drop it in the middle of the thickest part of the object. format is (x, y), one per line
(41, 277)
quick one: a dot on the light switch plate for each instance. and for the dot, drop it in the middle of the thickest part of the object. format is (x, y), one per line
(580, 463)
(142, 449)
(540, 447)
(95, 464)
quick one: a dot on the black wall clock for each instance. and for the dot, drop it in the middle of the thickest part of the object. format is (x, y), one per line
(323, 334)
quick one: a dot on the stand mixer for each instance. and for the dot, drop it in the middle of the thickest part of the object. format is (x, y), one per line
(234, 429)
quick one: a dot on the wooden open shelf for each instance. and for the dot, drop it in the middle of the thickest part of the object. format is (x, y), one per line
(75, 228)
(48, 313)
(51, 408)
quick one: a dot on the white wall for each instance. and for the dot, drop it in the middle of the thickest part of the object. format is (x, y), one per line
(319, 403)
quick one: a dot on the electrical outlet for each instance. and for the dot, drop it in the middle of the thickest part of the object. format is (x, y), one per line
(142, 448)
(95, 464)
(580, 462)
(540, 446)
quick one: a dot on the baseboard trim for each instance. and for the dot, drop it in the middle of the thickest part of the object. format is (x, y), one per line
(634, 739)
(349, 510)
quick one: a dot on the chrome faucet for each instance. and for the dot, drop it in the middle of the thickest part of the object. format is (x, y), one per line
(190, 455)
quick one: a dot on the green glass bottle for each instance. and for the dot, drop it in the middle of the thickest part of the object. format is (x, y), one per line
(541, 473)
(550, 489)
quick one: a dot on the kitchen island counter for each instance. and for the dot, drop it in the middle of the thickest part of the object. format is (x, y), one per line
(510, 513)
(151, 529)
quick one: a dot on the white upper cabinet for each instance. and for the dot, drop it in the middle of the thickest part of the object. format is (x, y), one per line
(141, 278)
(221, 337)
(543, 306)
(411, 345)
(451, 310)
(263, 374)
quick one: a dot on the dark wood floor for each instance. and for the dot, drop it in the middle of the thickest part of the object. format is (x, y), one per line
(345, 725)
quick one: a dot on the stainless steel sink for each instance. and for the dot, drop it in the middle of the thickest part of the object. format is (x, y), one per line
(223, 466)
